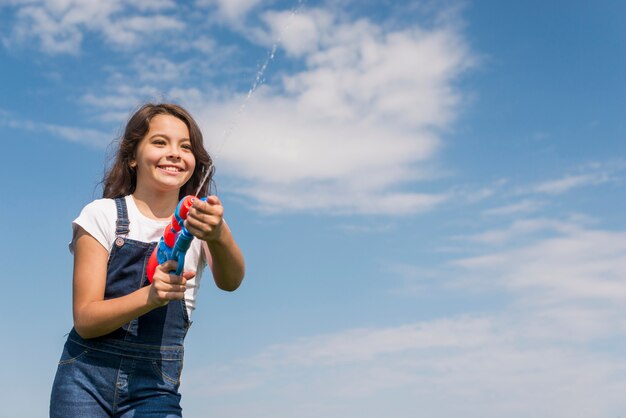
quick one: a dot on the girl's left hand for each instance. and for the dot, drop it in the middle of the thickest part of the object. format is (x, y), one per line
(205, 219)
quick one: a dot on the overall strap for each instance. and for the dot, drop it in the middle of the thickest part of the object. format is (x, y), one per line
(122, 223)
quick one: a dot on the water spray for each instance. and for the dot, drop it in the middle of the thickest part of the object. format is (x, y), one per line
(258, 80)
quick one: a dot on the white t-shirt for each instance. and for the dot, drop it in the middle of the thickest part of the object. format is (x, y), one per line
(99, 217)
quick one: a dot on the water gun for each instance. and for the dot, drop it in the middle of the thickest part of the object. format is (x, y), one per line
(175, 241)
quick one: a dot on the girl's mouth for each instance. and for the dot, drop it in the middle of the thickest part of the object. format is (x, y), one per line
(170, 169)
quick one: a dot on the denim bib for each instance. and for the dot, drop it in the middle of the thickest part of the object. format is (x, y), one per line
(159, 332)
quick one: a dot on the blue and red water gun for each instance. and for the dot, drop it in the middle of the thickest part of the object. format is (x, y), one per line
(175, 241)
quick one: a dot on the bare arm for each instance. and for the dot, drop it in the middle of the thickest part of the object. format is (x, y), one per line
(205, 221)
(94, 316)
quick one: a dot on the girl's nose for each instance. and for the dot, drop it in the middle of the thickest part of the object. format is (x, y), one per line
(174, 153)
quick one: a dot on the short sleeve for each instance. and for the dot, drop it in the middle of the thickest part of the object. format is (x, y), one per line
(98, 220)
(196, 258)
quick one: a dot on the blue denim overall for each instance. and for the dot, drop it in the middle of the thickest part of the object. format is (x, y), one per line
(135, 370)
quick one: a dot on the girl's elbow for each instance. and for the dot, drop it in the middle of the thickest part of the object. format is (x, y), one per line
(229, 280)
(230, 285)
(84, 330)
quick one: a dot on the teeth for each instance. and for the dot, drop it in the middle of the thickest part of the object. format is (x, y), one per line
(173, 169)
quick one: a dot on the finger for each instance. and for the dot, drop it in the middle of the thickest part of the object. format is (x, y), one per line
(169, 265)
(175, 287)
(204, 208)
(198, 204)
(168, 293)
(213, 200)
(188, 275)
(209, 211)
(174, 279)
(172, 284)
(171, 295)
(202, 222)
(198, 231)
(198, 220)
(169, 281)
(201, 206)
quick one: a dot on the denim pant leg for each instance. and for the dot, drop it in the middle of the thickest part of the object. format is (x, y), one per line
(84, 385)
(153, 388)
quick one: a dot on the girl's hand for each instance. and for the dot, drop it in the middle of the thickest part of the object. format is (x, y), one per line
(166, 286)
(205, 219)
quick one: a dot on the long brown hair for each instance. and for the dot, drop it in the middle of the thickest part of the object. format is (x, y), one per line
(121, 179)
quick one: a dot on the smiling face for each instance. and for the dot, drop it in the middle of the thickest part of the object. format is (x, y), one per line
(163, 159)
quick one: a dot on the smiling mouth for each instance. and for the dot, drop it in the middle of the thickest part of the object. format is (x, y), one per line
(170, 168)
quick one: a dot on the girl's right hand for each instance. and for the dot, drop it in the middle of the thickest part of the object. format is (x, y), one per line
(165, 286)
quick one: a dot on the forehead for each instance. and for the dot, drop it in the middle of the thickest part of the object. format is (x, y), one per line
(168, 125)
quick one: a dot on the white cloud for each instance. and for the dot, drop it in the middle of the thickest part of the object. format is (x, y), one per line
(552, 351)
(352, 129)
(569, 182)
(155, 69)
(54, 36)
(366, 228)
(361, 345)
(522, 228)
(298, 33)
(149, 5)
(204, 44)
(130, 31)
(117, 105)
(232, 10)
(338, 200)
(525, 206)
(60, 25)
(578, 264)
(86, 136)
(89, 137)
(490, 367)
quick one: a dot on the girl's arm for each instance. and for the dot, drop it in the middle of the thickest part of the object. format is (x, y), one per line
(94, 316)
(205, 221)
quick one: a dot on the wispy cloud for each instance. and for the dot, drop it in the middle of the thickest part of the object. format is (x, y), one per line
(89, 137)
(364, 344)
(231, 10)
(577, 264)
(567, 183)
(59, 27)
(491, 367)
(560, 295)
(521, 229)
(85, 136)
(522, 207)
(518, 200)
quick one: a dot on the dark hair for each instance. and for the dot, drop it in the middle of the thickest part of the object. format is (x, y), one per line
(120, 179)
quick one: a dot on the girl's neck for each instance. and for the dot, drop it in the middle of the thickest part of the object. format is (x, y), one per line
(159, 206)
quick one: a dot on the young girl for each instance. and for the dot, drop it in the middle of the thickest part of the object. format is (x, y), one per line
(124, 355)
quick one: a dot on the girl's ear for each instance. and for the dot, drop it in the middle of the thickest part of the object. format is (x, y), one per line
(132, 164)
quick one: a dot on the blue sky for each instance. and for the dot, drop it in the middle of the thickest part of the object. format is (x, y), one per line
(429, 195)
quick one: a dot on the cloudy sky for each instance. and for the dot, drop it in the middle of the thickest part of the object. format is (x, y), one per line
(429, 195)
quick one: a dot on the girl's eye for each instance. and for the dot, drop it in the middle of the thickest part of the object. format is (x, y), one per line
(186, 146)
(158, 142)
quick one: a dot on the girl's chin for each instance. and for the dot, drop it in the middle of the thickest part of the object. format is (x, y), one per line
(165, 183)
(173, 184)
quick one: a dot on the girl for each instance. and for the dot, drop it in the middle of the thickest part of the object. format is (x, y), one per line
(123, 357)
